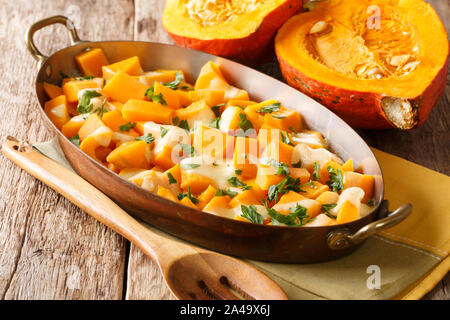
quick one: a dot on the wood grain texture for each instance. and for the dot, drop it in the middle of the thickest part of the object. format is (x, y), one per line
(51, 249)
(144, 280)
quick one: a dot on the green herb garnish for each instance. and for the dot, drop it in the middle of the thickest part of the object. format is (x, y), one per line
(84, 103)
(270, 108)
(101, 111)
(188, 149)
(84, 78)
(222, 192)
(75, 140)
(244, 123)
(174, 84)
(285, 138)
(148, 138)
(189, 166)
(171, 178)
(238, 172)
(326, 209)
(189, 195)
(216, 109)
(127, 126)
(250, 213)
(163, 131)
(336, 182)
(296, 217)
(315, 175)
(150, 93)
(215, 123)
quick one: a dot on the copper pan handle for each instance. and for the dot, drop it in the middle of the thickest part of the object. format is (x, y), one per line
(339, 239)
(34, 51)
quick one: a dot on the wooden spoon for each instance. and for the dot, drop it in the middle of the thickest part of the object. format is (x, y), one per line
(190, 272)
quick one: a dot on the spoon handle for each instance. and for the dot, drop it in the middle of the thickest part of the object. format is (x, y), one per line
(162, 250)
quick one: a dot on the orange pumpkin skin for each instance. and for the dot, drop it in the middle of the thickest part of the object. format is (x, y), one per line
(247, 48)
(362, 109)
(357, 104)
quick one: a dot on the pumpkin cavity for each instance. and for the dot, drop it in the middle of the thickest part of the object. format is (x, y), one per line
(213, 12)
(376, 42)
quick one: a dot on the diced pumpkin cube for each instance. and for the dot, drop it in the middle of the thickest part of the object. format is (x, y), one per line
(246, 197)
(254, 187)
(101, 137)
(188, 202)
(324, 175)
(133, 154)
(128, 173)
(255, 115)
(213, 143)
(114, 120)
(164, 158)
(72, 88)
(196, 182)
(211, 77)
(56, 110)
(220, 206)
(52, 91)
(170, 96)
(91, 62)
(314, 191)
(328, 197)
(266, 177)
(206, 196)
(278, 151)
(245, 156)
(175, 173)
(291, 197)
(166, 193)
(162, 76)
(123, 87)
(300, 173)
(141, 110)
(92, 123)
(211, 96)
(131, 66)
(240, 103)
(363, 181)
(197, 113)
(230, 119)
(283, 119)
(348, 165)
(71, 128)
(347, 213)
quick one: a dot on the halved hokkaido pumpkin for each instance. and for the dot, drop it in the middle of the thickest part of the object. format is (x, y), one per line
(376, 63)
(238, 29)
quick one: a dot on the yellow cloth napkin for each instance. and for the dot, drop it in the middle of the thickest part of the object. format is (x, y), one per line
(404, 262)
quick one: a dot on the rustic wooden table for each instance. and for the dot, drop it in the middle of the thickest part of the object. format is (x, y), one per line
(49, 249)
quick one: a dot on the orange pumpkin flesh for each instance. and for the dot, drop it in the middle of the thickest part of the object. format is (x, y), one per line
(377, 64)
(237, 29)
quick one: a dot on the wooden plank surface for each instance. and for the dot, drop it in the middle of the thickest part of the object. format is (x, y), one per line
(49, 249)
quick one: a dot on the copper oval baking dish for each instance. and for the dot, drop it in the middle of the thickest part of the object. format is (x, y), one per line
(267, 243)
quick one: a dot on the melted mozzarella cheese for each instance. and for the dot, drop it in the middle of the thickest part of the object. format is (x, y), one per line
(174, 135)
(354, 195)
(208, 167)
(227, 117)
(320, 220)
(310, 138)
(308, 156)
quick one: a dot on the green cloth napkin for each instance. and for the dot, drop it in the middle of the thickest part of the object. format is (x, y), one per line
(382, 268)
